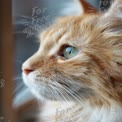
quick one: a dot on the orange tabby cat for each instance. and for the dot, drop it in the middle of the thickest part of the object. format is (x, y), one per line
(78, 68)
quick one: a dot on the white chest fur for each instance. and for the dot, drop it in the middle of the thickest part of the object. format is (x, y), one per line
(72, 112)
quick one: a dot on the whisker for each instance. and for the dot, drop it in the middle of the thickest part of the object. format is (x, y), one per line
(70, 91)
(63, 95)
(51, 92)
(19, 61)
(62, 87)
(76, 97)
(17, 78)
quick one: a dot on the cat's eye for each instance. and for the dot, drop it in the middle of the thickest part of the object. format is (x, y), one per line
(69, 52)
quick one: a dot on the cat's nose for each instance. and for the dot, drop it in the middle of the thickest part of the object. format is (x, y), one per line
(26, 69)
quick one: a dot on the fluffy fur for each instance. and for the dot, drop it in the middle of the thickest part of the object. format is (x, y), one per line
(89, 85)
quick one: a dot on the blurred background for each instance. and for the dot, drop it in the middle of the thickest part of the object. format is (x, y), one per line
(20, 23)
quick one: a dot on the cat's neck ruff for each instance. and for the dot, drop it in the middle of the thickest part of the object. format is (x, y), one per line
(74, 112)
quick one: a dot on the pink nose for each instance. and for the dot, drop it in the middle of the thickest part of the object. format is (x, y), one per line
(27, 71)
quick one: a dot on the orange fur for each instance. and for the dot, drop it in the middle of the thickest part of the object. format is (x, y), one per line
(98, 67)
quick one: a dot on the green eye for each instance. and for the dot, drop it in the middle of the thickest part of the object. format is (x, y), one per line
(70, 52)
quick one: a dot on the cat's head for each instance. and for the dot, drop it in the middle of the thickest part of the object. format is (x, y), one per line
(79, 57)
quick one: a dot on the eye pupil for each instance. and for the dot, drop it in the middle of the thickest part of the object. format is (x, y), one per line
(69, 52)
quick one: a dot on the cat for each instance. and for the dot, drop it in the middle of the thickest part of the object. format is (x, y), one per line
(77, 70)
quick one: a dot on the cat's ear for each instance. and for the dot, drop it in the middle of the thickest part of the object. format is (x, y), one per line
(86, 7)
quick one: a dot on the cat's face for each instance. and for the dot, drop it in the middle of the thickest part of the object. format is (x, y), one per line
(77, 59)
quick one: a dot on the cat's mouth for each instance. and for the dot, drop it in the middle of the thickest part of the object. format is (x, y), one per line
(56, 88)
